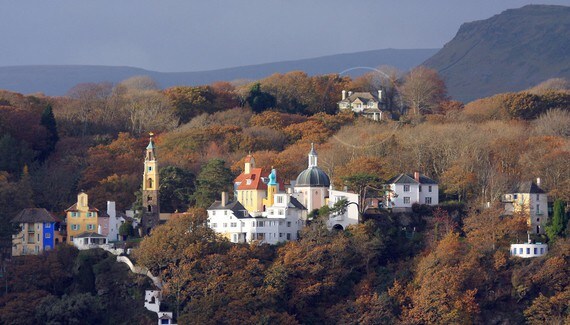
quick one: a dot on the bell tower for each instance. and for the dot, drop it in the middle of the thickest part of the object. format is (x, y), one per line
(150, 205)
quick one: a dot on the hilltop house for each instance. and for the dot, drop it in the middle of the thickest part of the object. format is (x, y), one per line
(39, 232)
(530, 199)
(364, 103)
(407, 189)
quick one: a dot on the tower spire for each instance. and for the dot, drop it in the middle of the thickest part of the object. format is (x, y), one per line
(312, 156)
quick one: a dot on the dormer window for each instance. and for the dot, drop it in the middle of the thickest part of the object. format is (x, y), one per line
(248, 181)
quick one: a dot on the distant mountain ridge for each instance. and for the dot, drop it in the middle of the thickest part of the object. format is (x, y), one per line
(56, 80)
(511, 51)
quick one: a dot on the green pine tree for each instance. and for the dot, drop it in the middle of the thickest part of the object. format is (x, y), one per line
(213, 179)
(48, 121)
(558, 223)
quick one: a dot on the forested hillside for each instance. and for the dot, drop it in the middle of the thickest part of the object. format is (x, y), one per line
(445, 265)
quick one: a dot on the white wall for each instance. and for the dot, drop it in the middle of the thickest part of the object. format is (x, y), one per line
(350, 217)
(529, 250)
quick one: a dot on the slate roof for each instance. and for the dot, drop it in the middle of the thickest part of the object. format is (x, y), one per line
(297, 204)
(364, 97)
(74, 208)
(236, 207)
(528, 187)
(33, 215)
(89, 235)
(409, 179)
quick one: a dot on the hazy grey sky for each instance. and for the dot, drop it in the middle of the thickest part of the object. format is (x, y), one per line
(188, 35)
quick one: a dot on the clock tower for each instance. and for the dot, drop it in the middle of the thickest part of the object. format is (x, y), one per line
(150, 205)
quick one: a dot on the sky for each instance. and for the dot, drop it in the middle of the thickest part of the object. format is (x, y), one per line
(190, 35)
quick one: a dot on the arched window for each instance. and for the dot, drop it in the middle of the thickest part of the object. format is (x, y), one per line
(149, 208)
(149, 183)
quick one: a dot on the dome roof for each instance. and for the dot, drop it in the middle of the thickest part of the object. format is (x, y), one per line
(313, 177)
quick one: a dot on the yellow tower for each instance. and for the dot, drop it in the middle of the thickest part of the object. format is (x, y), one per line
(272, 189)
(150, 200)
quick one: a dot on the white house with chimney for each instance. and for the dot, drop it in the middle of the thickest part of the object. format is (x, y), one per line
(110, 222)
(529, 198)
(407, 189)
(364, 103)
(281, 221)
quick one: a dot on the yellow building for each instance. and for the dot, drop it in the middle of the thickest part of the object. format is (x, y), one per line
(250, 188)
(528, 198)
(81, 217)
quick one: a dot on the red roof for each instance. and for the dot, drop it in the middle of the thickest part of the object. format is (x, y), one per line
(255, 180)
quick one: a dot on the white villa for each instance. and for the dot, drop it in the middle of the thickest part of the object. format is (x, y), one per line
(364, 103)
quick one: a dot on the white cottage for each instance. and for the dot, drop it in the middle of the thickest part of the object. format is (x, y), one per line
(407, 189)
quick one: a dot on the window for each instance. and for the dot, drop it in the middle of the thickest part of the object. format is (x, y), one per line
(528, 250)
(164, 321)
(214, 225)
(537, 219)
(74, 214)
(225, 212)
(260, 236)
(149, 168)
(288, 236)
(288, 223)
(428, 200)
(48, 225)
(90, 227)
(48, 235)
(542, 250)
(233, 224)
(406, 188)
(520, 250)
(74, 227)
(420, 187)
(243, 224)
(535, 251)
(279, 199)
(225, 225)
(280, 235)
(235, 238)
(406, 199)
(514, 196)
(260, 224)
(538, 197)
(429, 188)
(280, 211)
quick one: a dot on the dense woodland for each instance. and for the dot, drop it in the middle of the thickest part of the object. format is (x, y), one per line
(448, 265)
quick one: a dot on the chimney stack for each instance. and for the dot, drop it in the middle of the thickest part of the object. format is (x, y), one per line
(417, 176)
(538, 181)
(349, 93)
(343, 94)
(380, 95)
(224, 198)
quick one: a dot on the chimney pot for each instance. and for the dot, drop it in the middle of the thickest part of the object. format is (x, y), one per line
(224, 198)
(349, 93)
(343, 94)
(417, 176)
(538, 181)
